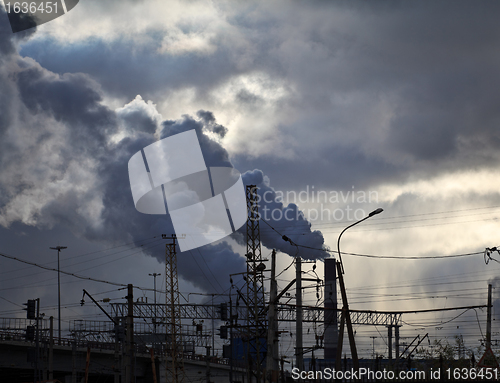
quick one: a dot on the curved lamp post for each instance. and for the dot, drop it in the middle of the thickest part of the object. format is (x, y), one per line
(346, 317)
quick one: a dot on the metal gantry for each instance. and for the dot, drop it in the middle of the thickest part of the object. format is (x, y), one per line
(286, 313)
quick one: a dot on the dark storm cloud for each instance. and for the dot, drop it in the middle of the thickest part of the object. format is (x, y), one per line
(72, 100)
(209, 119)
(6, 44)
(147, 72)
(6, 97)
(336, 168)
(18, 21)
(138, 115)
(424, 75)
(214, 154)
(7, 52)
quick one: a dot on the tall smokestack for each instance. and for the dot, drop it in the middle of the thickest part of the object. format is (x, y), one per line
(331, 324)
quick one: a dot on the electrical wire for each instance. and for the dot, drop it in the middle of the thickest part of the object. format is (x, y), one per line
(71, 274)
(208, 268)
(15, 304)
(85, 254)
(89, 268)
(341, 224)
(197, 264)
(285, 269)
(285, 238)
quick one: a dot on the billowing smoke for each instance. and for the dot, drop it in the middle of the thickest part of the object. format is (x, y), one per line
(64, 157)
(284, 221)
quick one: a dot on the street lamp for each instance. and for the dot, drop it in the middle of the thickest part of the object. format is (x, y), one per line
(346, 317)
(375, 212)
(58, 248)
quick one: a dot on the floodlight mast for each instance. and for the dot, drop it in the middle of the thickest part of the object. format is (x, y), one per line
(58, 248)
(345, 318)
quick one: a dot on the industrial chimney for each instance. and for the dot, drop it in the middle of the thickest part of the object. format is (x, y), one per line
(331, 323)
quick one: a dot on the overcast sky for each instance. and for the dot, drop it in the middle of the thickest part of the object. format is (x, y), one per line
(376, 104)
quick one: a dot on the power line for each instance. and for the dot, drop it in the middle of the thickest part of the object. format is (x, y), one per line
(286, 239)
(440, 323)
(70, 274)
(92, 267)
(341, 224)
(197, 264)
(208, 267)
(15, 304)
(85, 254)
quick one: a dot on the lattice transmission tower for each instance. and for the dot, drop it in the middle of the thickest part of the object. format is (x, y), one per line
(174, 369)
(256, 314)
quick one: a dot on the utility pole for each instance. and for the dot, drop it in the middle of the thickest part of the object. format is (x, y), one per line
(230, 336)
(396, 345)
(129, 366)
(37, 336)
(389, 340)
(373, 347)
(118, 352)
(272, 332)
(51, 349)
(213, 326)
(207, 359)
(87, 365)
(153, 365)
(58, 248)
(154, 275)
(299, 355)
(73, 361)
(488, 319)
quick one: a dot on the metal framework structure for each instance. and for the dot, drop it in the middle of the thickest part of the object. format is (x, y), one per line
(147, 310)
(175, 373)
(256, 314)
(144, 334)
(286, 313)
(15, 328)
